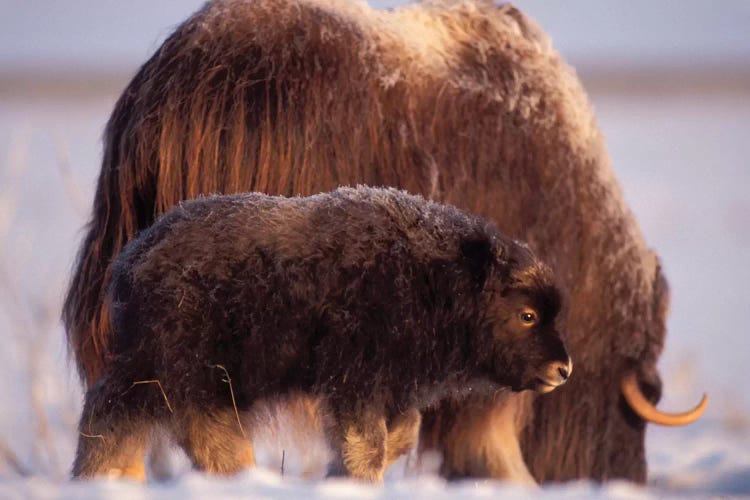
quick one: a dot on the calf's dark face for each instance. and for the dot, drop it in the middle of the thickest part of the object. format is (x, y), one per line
(528, 350)
(518, 343)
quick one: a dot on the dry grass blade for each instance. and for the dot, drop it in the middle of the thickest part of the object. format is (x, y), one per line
(93, 436)
(11, 177)
(70, 184)
(10, 458)
(157, 382)
(228, 380)
(32, 318)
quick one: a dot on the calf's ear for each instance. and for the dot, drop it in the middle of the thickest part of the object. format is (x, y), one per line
(478, 255)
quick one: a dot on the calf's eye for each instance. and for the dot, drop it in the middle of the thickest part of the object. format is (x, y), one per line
(528, 317)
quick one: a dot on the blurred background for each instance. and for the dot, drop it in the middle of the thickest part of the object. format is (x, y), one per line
(670, 83)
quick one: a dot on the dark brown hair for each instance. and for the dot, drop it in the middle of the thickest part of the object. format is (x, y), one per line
(464, 102)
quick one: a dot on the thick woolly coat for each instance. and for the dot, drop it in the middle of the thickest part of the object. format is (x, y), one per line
(465, 102)
(367, 297)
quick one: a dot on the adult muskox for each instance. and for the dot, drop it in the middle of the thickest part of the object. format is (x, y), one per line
(465, 102)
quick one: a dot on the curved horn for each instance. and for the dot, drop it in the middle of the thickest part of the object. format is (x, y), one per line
(648, 412)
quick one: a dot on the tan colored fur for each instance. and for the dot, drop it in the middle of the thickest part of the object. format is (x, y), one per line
(214, 442)
(403, 435)
(483, 440)
(114, 452)
(363, 450)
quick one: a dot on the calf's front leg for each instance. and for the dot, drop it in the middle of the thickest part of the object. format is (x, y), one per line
(358, 438)
(403, 434)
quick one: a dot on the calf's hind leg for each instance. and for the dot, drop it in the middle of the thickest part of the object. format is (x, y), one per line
(112, 436)
(214, 440)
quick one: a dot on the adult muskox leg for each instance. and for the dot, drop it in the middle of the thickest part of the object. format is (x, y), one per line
(214, 440)
(358, 439)
(403, 434)
(113, 435)
(478, 437)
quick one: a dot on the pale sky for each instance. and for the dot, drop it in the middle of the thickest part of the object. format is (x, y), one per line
(120, 34)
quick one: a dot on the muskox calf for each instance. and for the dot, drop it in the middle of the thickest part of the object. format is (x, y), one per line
(379, 302)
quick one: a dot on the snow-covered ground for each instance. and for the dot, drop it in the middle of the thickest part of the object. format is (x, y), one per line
(683, 159)
(261, 484)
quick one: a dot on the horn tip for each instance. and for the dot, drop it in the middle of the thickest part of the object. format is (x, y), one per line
(648, 412)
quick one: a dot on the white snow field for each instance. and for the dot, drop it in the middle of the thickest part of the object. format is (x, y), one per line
(682, 153)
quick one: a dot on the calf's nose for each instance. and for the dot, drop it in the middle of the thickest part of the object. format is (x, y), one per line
(561, 368)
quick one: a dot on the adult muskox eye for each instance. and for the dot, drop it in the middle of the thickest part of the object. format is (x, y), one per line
(528, 317)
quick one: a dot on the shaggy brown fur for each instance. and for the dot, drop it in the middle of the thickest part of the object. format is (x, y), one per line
(377, 301)
(465, 102)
